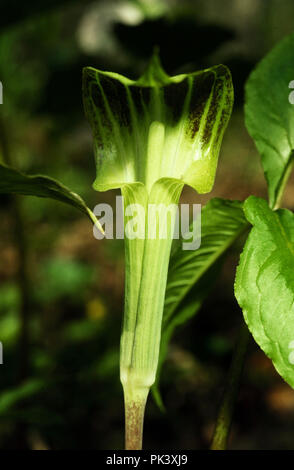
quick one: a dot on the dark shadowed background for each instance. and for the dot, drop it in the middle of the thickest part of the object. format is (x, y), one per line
(61, 291)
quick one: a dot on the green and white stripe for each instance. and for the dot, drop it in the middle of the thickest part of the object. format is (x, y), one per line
(152, 136)
(157, 126)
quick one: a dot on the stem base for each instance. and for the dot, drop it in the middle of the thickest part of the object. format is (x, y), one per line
(135, 402)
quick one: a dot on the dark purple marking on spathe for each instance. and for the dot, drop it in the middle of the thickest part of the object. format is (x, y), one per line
(210, 120)
(201, 89)
(174, 96)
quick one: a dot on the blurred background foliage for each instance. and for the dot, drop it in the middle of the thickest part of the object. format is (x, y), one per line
(61, 290)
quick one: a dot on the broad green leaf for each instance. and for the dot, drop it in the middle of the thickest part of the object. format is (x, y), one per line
(222, 223)
(192, 273)
(264, 284)
(269, 114)
(187, 309)
(15, 182)
(157, 126)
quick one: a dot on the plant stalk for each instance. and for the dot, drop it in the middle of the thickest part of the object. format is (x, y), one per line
(135, 402)
(146, 261)
(226, 410)
(23, 275)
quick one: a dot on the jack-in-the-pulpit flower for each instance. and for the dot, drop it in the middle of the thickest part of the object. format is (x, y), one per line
(152, 136)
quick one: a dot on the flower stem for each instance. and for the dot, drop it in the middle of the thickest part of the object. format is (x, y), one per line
(146, 261)
(135, 402)
(226, 410)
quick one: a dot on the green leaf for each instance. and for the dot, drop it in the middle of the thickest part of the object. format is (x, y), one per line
(222, 223)
(269, 115)
(187, 309)
(157, 126)
(264, 284)
(192, 273)
(15, 182)
(11, 397)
